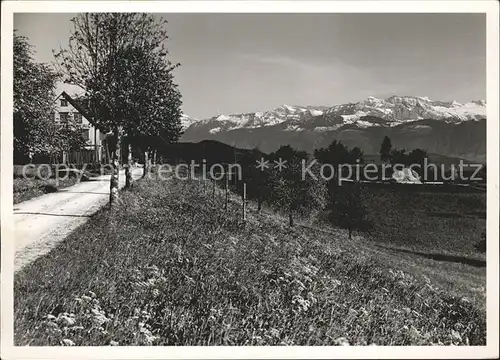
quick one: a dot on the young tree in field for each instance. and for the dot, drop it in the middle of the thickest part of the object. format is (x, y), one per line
(348, 210)
(337, 154)
(257, 178)
(120, 60)
(385, 149)
(290, 192)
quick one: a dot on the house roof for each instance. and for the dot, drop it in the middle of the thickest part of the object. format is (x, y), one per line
(81, 109)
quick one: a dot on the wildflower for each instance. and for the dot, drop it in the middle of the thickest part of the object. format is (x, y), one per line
(146, 337)
(98, 317)
(67, 342)
(66, 320)
(455, 336)
(75, 328)
(92, 294)
(50, 317)
(414, 331)
(341, 341)
(113, 343)
(274, 332)
(86, 298)
(336, 283)
(52, 325)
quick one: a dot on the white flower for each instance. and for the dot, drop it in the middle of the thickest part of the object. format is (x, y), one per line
(66, 321)
(113, 343)
(67, 342)
(455, 335)
(341, 341)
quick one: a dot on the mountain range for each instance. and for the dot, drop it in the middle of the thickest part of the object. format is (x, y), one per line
(447, 128)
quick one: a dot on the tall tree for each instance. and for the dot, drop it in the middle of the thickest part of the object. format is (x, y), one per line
(35, 130)
(121, 62)
(34, 86)
(257, 177)
(385, 149)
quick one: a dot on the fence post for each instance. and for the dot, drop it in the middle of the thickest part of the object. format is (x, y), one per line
(226, 192)
(244, 198)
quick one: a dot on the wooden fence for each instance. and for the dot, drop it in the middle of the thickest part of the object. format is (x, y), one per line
(84, 156)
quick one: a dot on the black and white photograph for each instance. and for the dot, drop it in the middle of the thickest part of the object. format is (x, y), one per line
(249, 179)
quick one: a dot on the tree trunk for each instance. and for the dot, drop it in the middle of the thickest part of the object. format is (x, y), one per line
(128, 165)
(290, 217)
(96, 148)
(350, 233)
(154, 158)
(244, 201)
(259, 203)
(146, 164)
(113, 184)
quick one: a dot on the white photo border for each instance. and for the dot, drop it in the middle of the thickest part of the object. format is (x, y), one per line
(490, 8)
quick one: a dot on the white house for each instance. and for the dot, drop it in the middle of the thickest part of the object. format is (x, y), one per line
(68, 111)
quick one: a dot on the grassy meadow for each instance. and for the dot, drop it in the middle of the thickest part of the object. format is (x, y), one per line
(31, 181)
(170, 266)
(427, 221)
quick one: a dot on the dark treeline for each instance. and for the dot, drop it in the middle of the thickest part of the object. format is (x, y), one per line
(333, 188)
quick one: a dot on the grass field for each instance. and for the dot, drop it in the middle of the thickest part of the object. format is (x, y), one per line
(25, 189)
(428, 222)
(169, 267)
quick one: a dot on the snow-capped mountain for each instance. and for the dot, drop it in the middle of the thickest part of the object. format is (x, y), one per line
(187, 121)
(392, 111)
(445, 127)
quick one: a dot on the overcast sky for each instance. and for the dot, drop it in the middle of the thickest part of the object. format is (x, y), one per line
(235, 63)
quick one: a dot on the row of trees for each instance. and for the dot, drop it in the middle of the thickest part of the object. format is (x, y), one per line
(288, 191)
(121, 63)
(401, 156)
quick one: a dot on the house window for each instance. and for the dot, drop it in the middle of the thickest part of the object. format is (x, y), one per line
(64, 102)
(77, 117)
(63, 117)
(85, 135)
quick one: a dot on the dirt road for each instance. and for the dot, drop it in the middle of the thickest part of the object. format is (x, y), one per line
(41, 223)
